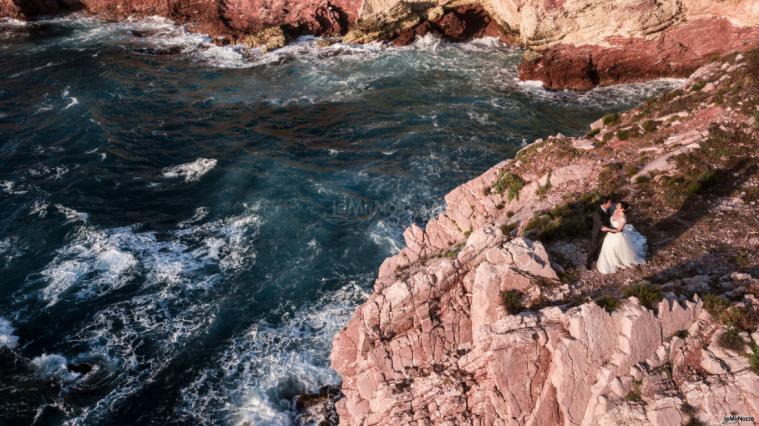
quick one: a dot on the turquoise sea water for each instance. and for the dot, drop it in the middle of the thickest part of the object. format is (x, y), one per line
(196, 222)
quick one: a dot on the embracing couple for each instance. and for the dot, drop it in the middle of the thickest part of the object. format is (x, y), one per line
(614, 244)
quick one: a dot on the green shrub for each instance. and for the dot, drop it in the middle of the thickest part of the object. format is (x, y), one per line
(715, 305)
(648, 294)
(566, 220)
(698, 85)
(741, 318)
(631, 168)
(634, 394)
(741, 261)
(593, 133)
(608, 303)
(570, 275)
(610, 119)
(677, 189)
(611, 178)
(512, 301)
(510, 182)
(542, 191)
(756, 118)
(507, 228)
(529, 151)
(731, 340)
(500, 206)
(694, 422)
(683, 334)
(453, 251)
(753, 358)
(687, 408)
(623, 134)
(751, 194)
(650, 126)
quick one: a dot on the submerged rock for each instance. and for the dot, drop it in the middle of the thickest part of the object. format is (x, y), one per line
(318, 409)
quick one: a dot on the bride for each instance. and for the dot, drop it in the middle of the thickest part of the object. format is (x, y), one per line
(623, 246)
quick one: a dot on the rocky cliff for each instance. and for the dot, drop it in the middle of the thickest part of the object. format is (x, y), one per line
(574, 44)
(487, 316)
(235, 18)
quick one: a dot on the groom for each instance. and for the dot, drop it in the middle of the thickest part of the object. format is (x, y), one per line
(601, 219)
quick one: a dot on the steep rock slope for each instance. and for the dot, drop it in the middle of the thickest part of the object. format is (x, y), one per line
(487, 316)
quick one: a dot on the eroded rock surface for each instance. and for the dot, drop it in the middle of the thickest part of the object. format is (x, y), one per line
(437, 343)
(441, 340)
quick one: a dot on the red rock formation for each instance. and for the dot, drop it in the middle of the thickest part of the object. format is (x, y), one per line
(435, 342)
(583, 44)
(459, 24)
(676, 52)
(218, 17)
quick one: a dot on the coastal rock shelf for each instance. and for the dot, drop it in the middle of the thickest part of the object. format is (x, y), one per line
(487, 316)
(575, 44)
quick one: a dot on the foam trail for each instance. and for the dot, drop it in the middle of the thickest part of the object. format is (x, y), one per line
(176, 273)
(97, 262)
(54, 366)
(9, 187)
(71, 214)
(7, 339)
(260, 369)
(191, 172)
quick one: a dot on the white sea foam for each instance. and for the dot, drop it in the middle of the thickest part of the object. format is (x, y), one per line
(169, 269)
(427, 42)
(54, 366)
(11, 248)
(480, 118)
(605, 97)
(39, 209)
(93, 254)
(71, 214)
(191, 172)
(7, 339)
(200, 214)
(10, 22)
(55, 173)
(72, 102)
(387, 236)
(268, 358)
(9, 187)
(97, 261)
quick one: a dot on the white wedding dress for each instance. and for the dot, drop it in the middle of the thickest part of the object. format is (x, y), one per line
(622, 249)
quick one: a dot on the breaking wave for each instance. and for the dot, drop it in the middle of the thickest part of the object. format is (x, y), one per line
(7, 339)
(190, 172)
(261, 371)
(328, 81)
(97, 262)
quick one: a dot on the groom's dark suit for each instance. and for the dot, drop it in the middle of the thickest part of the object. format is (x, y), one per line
(601, 218)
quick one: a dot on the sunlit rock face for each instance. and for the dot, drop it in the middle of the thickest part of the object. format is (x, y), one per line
(442, 337)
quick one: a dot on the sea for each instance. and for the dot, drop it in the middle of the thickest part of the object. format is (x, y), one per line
(184, 227)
